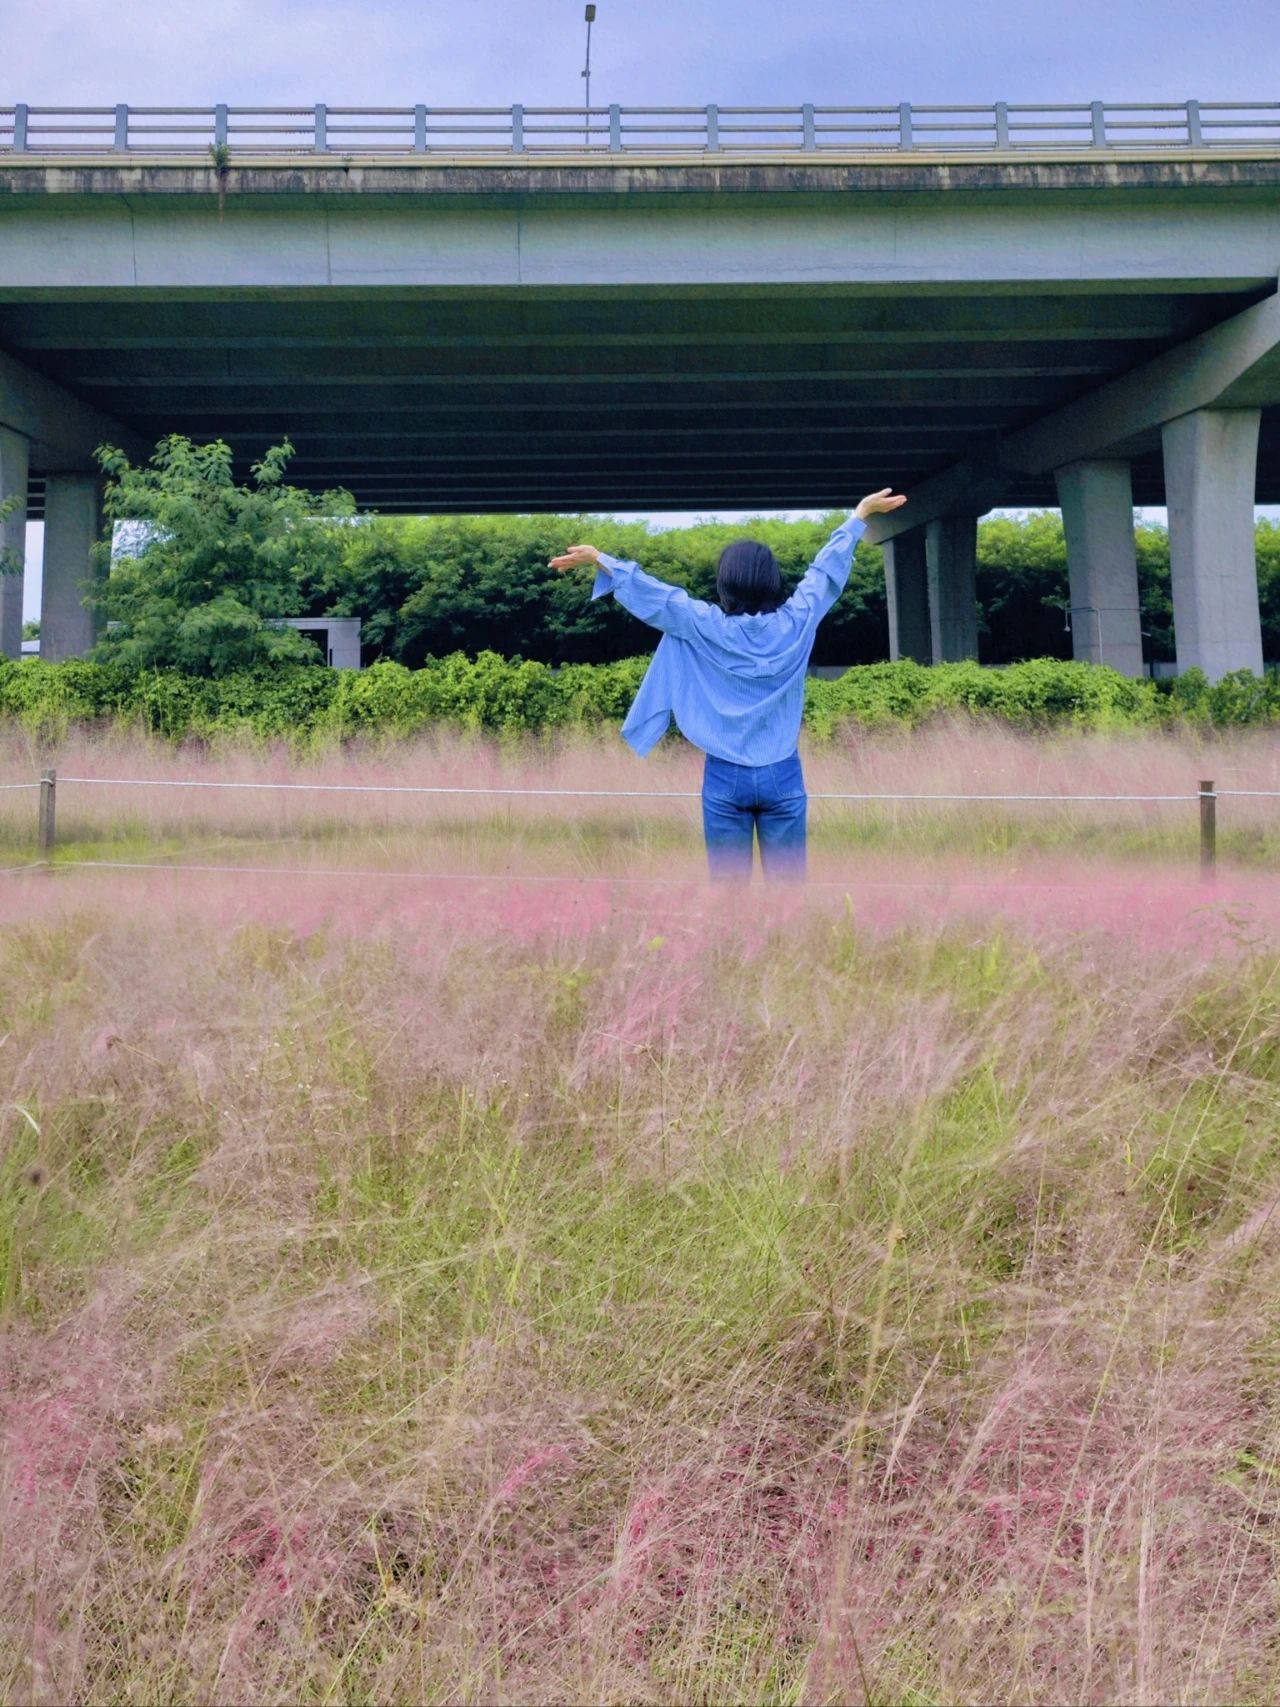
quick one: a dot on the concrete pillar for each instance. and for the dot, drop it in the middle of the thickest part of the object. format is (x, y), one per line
(1102, 564)
(14, 469)
(906, 586)
(951, 553)
(72, 527)
(1210, 471)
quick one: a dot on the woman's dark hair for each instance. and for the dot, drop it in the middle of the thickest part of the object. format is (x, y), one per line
(748, 579)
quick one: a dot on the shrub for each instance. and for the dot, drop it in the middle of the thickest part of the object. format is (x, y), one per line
(1039, 692)
(1242, 697)
(302, 703)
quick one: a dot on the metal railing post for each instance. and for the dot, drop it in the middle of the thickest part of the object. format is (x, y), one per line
(1002, 124)
(1208, 829)
(615, 130)
(905, 137)
(220, 125)
(20, 128)
(713, 129)
(809, 127)
(517, 130)
(420, 130)
(1195, 136)
(1099, 120)
(122, 129)
(48, 783)
(322, 128)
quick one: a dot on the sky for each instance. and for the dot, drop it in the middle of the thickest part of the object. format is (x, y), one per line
(671, 52)
(662, 52)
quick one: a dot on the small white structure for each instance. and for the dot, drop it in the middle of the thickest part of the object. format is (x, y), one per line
(338, 637)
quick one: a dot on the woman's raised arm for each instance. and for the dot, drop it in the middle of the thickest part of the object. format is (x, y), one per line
(576, 557)
(823, 581)
(656, 602)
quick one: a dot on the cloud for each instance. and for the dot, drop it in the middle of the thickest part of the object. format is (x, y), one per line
(276, 52)
(494, 52)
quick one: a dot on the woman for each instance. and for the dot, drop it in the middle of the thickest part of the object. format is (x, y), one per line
(732, 675)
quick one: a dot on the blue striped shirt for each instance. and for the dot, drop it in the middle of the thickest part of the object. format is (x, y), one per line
(734, 684)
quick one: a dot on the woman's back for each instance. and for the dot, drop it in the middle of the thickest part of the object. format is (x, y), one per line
(733, 682)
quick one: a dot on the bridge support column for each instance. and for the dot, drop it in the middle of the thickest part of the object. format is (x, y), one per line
(72, 526)
(1210, 471)
(14, 471)
(906, 585)
(951, 554)
(1102, 564)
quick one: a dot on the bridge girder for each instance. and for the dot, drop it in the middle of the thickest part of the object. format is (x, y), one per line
(736, 335)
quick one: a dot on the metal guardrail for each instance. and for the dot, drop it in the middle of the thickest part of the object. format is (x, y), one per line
(520, 130)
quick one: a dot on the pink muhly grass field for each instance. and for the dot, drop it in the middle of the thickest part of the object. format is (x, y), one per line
(472, 1288)
(638, 834)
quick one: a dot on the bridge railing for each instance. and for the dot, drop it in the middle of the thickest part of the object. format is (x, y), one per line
(520, 130)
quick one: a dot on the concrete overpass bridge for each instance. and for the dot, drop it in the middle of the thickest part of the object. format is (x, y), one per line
(705, 308)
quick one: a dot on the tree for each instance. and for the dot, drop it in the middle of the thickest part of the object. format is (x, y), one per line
(216, 564)
(1267, 539)
(10, 563)
(430, 585)
(1022, 588)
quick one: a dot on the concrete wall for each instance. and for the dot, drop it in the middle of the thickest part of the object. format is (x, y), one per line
(343, 637)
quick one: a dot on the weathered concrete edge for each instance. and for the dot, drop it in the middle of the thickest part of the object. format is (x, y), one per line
(1188, 170)
(63, 429)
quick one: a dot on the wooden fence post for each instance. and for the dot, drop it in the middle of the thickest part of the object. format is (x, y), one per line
(48, 782)
(1208, 829)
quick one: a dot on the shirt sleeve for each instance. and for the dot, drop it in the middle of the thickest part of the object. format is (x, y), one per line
(656, 602)
(823, 581)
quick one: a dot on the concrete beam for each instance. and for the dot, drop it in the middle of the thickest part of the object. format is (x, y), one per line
(62, 431)
(1102, 564)
(1210, 462)
(951, 554)
(301, 226)
(973, 485)
(1235, 364)
(72, 527)
(14, 470)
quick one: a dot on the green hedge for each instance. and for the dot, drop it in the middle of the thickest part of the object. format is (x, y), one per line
(307, 703)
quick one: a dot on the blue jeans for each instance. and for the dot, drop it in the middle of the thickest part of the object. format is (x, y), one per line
(767, 800)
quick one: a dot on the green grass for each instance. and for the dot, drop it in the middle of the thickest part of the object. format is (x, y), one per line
(323, 1239)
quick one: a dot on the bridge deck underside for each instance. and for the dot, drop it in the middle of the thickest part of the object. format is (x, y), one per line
(671, 398)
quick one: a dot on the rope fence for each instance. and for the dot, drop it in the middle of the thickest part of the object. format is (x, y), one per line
(577, 793)
(575, 878)
(1207, 796)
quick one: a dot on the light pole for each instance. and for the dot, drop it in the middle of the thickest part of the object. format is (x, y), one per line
(591, 18)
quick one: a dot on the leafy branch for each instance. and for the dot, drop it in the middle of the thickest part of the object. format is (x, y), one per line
(220, 154)
(10, 561)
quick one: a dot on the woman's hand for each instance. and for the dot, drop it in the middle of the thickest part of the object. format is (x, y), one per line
(875, 503)
(576, 557)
